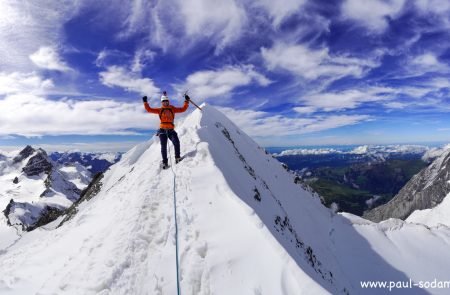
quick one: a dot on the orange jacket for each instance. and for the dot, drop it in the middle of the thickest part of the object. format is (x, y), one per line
(166, 114)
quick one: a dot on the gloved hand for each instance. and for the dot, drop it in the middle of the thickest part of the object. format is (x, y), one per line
(187, 98)
(144, 99)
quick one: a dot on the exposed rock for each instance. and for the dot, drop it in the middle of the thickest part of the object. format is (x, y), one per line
(257, 195)
(55, 182)
(8, 210)
(49, 214)
(25, 153)
(88, 193)
(33, 207)
(30, 216)
(425, 190)
(37, 164)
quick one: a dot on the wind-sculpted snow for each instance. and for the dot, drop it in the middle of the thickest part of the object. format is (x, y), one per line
(246, 226)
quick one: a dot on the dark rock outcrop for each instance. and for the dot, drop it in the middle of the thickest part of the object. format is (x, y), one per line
(16, 180)
(49, 214)
(37, 164)
(425, 190)
(25, 153)
(30, 216)
(55, 182)
(88, 193)
(8, 210)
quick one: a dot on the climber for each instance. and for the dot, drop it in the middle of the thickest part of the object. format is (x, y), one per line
(166, 127)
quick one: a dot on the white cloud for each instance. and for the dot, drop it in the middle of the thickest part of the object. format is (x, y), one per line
(263, 124)
(348, 99)
(438, 7)
(425, 63)
(23, 83)
(31, 115)
(47, 58)
(392, 98)
(27, 25)
(141, 58)
(395, 105)
(373, 14)
(312, 64)
(438, 83)
(281, 9)
(221, 19)
(100, 60)
(121, 77)
(305, 110)
(109, 57)
(213, 83)
(177, 24)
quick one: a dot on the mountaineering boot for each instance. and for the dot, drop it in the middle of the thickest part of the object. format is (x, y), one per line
(178, 160)
(164, 165)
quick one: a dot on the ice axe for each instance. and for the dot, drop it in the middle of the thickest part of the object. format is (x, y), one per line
(193, 102)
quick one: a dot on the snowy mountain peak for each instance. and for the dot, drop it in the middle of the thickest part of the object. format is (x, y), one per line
(25, 153)
(245, 226)
(424, 191)
(34, 189)
(38, 163)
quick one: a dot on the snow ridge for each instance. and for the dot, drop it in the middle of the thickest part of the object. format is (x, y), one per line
(245, 227)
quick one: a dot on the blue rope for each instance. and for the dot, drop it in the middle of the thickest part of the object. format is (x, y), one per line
(175, 216)
(176, 233)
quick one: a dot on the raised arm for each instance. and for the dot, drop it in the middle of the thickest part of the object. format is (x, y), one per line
(182, 109)
(148, 108)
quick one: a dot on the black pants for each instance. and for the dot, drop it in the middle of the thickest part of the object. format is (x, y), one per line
(173, 136)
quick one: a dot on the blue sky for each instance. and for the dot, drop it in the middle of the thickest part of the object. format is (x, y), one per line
(289, 72)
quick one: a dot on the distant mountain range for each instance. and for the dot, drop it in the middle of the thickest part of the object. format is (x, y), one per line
(425, 190)
(33, 188)
(36, 187)
(375, 150)
(361, 177)
(94, 162)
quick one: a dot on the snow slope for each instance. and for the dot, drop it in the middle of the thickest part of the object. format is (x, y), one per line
(245, 227)
(433, 216)
(32, 186)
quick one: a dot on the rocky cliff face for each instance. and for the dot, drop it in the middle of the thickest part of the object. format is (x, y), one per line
(35, 189)
(38, 164)
(25, 153)
(425, 190)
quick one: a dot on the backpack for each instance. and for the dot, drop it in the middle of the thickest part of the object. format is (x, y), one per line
(166, 115)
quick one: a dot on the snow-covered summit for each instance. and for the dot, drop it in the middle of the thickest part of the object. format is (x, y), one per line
(32, 187)
(245, 227)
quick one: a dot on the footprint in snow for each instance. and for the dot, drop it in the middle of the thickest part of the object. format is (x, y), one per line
(202, 250)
